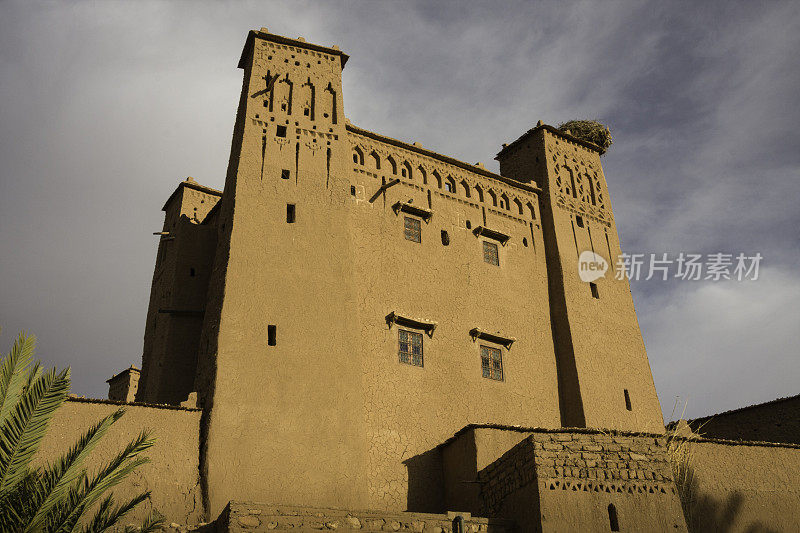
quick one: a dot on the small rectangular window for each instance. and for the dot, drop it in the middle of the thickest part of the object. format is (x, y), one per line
(490, 253)
(595, 293)
(410, 347)
(579, 220)
(491, 363)
(290, 213)
(191, 272)
(285, 174)
(280, 131)
(352, 190)
(271, 335)
(628, 401)
(413, 229)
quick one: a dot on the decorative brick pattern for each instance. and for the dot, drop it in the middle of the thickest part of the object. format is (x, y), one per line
(579, 462)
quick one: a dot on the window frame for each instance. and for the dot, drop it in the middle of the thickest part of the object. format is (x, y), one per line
(416, 233)
(493, 369)
(410, 356)
(495, 255)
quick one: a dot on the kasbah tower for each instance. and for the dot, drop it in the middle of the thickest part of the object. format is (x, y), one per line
(349, 302)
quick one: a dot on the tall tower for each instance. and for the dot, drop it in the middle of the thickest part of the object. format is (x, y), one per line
(603, 372)
(283, 404)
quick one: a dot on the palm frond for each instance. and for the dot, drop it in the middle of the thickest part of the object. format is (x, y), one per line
(109, 476)
(12, 374)
(59, 476)
(107, 516)
(25, 428)
(152, 523)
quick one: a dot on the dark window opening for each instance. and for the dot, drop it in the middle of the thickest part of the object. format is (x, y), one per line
(191, 272)
(579, 221)
(306, 112)
(445, 238)
(628, 401)
(280, 131)
(491, 363)
(285, 174)
(271, 335)
(490, 253)
(593, 288)
(355, 158)
(410, 347)
(352, 190)
(469, 224)
(612, 517)
(403, 172)
(290, 213)
(525, 242)
(413, 229)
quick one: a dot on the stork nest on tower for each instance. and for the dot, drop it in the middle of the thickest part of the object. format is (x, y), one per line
(590, 131)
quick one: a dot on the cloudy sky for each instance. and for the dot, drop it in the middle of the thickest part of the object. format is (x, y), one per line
(104, 107)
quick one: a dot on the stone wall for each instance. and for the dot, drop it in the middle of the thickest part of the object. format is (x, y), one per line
(256, 517)
(743, 487)
(775, 421)
(172, 474)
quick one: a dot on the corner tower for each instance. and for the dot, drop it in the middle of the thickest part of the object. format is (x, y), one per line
(604, 376)
(275, 371)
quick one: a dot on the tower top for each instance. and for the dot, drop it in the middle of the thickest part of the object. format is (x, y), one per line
(507, 148)
(299, 42)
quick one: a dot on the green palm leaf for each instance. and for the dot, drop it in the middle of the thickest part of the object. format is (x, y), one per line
(106, 516)
(25, 428)
(109, 476)
(55, 483)
(12, 374)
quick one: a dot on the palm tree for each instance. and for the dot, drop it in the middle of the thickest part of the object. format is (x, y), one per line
(55, 498)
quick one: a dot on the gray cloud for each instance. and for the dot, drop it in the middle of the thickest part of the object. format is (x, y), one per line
(105, 107)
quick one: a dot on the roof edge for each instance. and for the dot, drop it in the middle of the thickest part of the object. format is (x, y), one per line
(446, 159)
(252, 34)
(745, 408)
(192, 185)
(554, 131)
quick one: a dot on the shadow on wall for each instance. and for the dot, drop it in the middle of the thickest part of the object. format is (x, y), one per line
(425, 482)
(704, 512)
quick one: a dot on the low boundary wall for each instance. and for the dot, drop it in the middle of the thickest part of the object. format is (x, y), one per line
(172, 475)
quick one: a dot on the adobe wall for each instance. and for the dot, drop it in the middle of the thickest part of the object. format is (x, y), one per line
(172, 475)
(775, 421)
(568, 480)
(743, 487)
(601, 353)
(410, 410)
(295, 406)
(178, 295)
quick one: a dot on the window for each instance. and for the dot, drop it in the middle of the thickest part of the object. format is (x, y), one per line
(352, 190)
(191, 272)
(469, 224)
(290, 213)
(490, 254)
(445, 238)
(491, 363)
(593, 288)
(413, 229)
(271, 334)
(628, 401)
(285, 174)
(448, 187)
(280, 131)
(579, 220)
(410, 347)
(612, 517)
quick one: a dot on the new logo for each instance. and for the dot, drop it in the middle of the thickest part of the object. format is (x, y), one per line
(591, 266)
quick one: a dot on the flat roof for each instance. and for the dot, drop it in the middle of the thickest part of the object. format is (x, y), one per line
(192, 185)
(554, 131)
(252, 34)
(131, 368)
